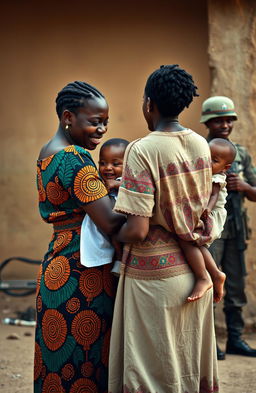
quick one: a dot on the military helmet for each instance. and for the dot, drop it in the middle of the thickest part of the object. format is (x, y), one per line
(217, 106)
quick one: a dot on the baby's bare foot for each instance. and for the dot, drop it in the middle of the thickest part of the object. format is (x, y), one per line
(218, 285)
(202, 285)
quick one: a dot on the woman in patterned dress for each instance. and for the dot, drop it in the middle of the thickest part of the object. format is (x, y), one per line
(160, 343)
(74, 303)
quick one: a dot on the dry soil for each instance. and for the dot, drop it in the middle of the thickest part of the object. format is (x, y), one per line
(237, 373)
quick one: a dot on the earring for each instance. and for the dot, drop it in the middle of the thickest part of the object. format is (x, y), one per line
(67, 127)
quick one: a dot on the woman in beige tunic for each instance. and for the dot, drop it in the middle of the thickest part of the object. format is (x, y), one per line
(160, 343)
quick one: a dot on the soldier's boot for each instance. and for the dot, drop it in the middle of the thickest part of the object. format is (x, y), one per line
(235, 325)
(220, 354)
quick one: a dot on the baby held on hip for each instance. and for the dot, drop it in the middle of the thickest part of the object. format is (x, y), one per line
(199, 258)
(96, 248)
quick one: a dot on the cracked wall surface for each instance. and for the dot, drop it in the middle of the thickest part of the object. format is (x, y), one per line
(232, 62)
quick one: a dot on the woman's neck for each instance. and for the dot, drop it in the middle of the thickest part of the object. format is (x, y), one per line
(168, 125)
(57, 143)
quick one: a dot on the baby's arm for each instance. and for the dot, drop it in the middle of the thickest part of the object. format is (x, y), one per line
(112, 184)
(213, 199)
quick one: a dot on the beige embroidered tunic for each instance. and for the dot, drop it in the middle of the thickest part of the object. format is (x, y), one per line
(160, 343)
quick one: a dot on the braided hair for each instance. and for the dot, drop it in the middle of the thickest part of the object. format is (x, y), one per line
(171, 88)
(73, 96)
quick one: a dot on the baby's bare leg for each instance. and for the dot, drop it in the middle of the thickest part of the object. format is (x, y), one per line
(218, 277)
(196, 262)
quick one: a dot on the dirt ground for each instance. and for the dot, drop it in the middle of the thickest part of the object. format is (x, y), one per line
(237, 373)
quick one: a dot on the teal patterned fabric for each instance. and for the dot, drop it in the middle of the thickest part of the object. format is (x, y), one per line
(74, 303)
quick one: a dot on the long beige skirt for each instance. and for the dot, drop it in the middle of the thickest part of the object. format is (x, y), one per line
(160, 343)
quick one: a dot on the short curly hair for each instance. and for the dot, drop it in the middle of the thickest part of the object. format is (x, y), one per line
(171, 88)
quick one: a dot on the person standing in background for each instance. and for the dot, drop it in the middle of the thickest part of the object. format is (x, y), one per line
(218, 114)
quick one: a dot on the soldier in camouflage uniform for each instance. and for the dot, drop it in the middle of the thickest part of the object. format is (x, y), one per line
(218, 114)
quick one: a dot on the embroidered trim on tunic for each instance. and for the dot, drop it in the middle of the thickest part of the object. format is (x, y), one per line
(154, 274)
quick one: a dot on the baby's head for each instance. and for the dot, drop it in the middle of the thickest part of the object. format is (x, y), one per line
(223, 153)
(111, 158)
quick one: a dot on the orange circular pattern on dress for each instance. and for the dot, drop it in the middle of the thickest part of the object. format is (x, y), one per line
(56, 193)
(90, 283)
(87, 185)
(109, 281)
(46, 162)
(86, 328)
(38, 281)
(40, 186)
(54, 329)
(39, 303)
(87, 369)
(105, 348)
(57, 273)
(63, 239)
(68, 372)
(83, 385)
(38, 362)
(73, 305)
(54, 215)
(52, 384)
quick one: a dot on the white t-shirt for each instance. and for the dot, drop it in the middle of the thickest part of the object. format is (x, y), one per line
(95, 247)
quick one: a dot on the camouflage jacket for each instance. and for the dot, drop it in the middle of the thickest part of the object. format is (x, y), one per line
(236, 212)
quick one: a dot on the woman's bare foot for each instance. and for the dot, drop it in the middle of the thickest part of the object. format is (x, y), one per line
(202, 285)
(218, 285)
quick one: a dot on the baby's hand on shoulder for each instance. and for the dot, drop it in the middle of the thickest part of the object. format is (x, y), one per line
(112, 184)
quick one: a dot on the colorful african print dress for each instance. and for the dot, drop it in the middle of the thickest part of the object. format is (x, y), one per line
(159, 342)
(74, 303)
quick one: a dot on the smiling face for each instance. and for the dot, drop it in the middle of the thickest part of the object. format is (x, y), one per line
(89, 123)
(220, 127)
(111, 161)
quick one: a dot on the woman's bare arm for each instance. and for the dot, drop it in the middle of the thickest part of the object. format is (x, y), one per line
(103, 216)
(135, 229)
